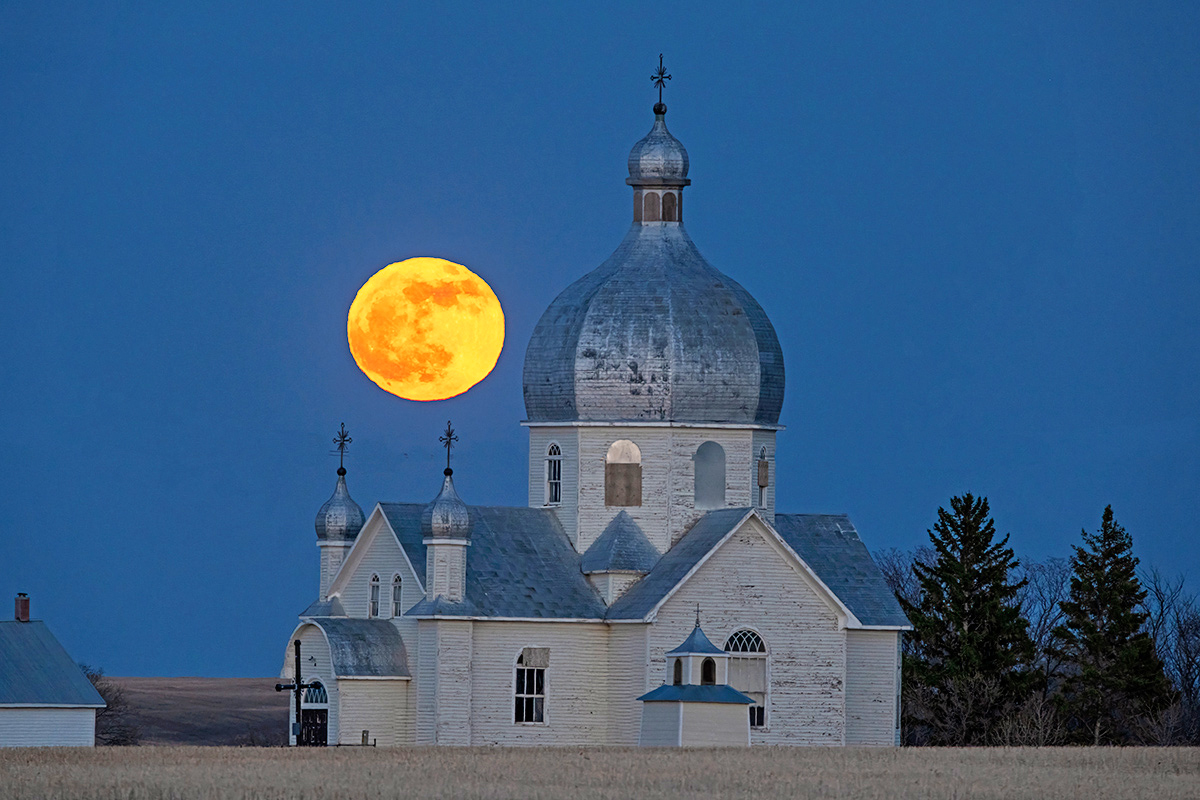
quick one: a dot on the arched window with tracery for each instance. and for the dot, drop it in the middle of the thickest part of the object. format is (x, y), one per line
(709, 462)
(397, 600)
(748, 671)
(553, 475)
(373, 597)
(623, 474)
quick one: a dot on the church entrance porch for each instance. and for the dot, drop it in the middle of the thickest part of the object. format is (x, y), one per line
(314, 727)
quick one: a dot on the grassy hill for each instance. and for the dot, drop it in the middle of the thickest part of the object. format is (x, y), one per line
(207, 711)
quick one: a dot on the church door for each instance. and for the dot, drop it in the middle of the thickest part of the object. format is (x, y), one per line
(314, 727)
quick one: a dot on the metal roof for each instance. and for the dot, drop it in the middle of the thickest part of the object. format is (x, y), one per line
(324, 608)
(697, 644)
(622, 546)
(340, 518)
(828, 543)
(654, 333)
(370, 648)
(519, 564)
(35, 670)
(687, 693)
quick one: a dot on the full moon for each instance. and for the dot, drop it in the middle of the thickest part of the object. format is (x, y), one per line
(425, 329)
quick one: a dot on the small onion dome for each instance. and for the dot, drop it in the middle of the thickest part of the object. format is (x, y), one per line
(658, 158)
(447, 516)
(340, 519)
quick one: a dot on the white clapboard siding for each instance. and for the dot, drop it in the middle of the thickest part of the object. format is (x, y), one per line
(749, 583)
(660, 725)
(380, 555)
(47, 727)
(628, 660)
(444, 683)
(871, 687)
(714, 725)
(567, 440)
(668, 478)
(312, 643)
(380, 707)
(576, 683)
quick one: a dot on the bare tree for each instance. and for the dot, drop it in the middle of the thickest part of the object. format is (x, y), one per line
(1173, 622)
(1049, 583)
(115, 724)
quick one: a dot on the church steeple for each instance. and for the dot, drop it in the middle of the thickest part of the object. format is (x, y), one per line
(658, 167)
(446, 527)
(339, 520)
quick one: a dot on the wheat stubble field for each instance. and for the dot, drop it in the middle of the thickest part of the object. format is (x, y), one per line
(209, 773)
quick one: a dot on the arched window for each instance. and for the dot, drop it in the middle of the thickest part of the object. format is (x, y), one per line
(764, 477)
(678, 677)
(316, 695)
(668, 207)
(397, 602)
(553, 475)
(710, 475)
(708, 672)
(623, 474)
(529, 697)
(748, 671)
(650, 208)
(373, 598)
(637, 205)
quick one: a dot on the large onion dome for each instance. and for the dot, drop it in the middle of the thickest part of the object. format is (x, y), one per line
(447, 516)
(655, 333)
(340, 519)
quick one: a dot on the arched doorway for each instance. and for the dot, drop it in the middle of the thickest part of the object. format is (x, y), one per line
(314, 717)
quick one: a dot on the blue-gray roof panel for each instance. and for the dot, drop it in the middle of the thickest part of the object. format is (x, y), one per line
(622, 546)
(36, 670)
(671, 693)
(370, 648)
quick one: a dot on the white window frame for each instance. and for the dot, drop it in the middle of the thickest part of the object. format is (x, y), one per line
(397, 595)
(553, 463)
(517, 694)
(765, 657)
(373, 597)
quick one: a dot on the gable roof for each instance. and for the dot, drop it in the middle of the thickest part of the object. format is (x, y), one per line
(830, 545)
(623, 547)
(364, 648)
(35, 670)
(519, 564)
(324, 608)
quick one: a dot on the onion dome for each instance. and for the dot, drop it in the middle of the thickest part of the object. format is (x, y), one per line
(655, 333)
(658, 158)
(340, 519)
(447, 516)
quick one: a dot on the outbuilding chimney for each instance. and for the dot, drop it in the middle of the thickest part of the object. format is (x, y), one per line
(22, 607)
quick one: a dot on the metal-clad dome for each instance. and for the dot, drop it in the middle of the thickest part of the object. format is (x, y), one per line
(658, 155)
(340, 519)
(447, 516)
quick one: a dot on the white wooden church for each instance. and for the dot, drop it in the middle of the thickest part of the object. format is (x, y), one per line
(653, 387)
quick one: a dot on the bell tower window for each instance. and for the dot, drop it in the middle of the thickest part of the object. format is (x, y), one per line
(710, 475)
(651, 211)
(668, 207)
(623, 474)
(554, 475)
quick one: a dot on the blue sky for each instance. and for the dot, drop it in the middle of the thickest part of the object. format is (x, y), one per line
(976, 231)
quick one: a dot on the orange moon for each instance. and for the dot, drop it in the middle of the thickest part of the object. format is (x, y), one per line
(425, 329)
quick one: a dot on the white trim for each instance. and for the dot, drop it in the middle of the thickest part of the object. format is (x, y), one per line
(460, 542)
(452, 617)
(545, 690)
(884, 628)
(374, 678)
(642, 424)
(52, 705)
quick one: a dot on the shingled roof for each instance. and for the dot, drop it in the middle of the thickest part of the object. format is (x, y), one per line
(828, 543)
(519, 564)
(35, 670)
(623, 547)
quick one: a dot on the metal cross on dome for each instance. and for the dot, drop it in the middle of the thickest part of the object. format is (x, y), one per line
(342, 441)
(660, 78)
(448, 439)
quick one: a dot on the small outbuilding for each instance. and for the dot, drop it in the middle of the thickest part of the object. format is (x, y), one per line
(45, 699)
(698, 708)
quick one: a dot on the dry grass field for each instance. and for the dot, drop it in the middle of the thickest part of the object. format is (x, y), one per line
(209, 711)
(209, 773)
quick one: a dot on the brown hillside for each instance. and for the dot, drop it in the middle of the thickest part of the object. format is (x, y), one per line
(207, 711)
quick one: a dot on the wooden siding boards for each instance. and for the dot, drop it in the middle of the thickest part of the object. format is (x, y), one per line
(567, 440)
(871, 687)
(380, 555)
(712, 725)
(380, 707)
(660, 725)
(628, 669)
(47, 727)
(806, 650)
(577, 683)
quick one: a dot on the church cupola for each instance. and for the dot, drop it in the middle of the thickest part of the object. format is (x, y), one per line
(658, 168)
(339, 520)
(446, 528)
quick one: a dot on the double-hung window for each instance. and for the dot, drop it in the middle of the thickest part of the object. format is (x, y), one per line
(529, 698)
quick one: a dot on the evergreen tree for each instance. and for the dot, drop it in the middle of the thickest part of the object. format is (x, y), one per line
(968, 640)
(1111, 672)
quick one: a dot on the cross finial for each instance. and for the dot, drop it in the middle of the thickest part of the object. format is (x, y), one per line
(697, 615)
(448, 439)
(660, 79)
(342, 441)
